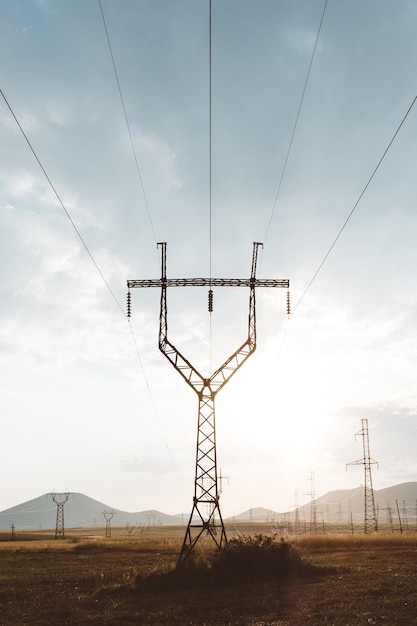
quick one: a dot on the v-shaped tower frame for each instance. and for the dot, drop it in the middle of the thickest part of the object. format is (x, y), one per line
(205, 515)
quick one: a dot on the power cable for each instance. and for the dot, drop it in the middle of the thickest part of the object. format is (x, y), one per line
(152, 399)
(150, 222)
(295, 123)
(63, 205)
(127, 124)
(355, 205)
(93, 261)
(210, 189)
(210, 140)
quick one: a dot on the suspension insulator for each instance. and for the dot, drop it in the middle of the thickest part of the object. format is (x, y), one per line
(210, 301)
(288, 304)
(129, 302)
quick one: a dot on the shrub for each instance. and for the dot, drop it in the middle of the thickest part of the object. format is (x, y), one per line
(249, 559)
(256, 558)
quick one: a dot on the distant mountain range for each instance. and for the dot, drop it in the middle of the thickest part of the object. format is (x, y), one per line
(81, 511)
(346, 505)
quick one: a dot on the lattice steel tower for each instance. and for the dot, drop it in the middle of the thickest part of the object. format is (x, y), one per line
(60, 499)
(205, 514)
(108, 516)
(370, 519)
(313, 508)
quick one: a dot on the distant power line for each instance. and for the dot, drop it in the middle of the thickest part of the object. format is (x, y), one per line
(355, 205)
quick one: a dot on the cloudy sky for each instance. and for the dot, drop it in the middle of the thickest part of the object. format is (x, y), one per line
(89, 404)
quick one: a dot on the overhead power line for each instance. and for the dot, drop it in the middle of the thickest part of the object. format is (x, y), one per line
(355, 205)
(127, 124)
(138, 170)
(95, 265)
(295, 123)
(63, 205)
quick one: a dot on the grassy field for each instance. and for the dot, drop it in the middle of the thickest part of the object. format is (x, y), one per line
(339, 579)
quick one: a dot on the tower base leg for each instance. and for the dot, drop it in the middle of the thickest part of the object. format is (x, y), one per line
(199, 525)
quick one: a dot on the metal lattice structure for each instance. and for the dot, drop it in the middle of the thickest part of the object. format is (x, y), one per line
(370, 519)
(60, 499)
(205, 515)
(313, 508)
(108, 516)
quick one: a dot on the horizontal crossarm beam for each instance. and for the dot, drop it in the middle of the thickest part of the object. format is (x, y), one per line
(210, 282)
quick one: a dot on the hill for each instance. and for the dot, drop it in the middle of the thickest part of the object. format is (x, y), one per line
(255, 514)
(80, 511)
(343, 505)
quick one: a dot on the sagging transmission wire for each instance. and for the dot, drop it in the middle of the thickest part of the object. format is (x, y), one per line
(62, 204)
(287, 156)
(313, 54)
(210, 103)
(142, 187)
(326, 256)
(86, 248)
(132, 145)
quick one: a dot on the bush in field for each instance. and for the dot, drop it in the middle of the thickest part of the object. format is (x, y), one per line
(248, 559)
(256, 558)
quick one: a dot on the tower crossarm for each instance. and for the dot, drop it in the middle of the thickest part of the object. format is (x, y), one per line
(364, 461)
(209, 282)
(358, 462)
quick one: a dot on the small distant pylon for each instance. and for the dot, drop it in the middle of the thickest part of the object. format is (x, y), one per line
(313, 510)
(370, 518)
(108, 516)
(13, 537)
(297, 514)
(60, 499)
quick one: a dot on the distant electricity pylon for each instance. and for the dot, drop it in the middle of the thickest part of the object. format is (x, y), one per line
(313, 509)
(370, 518)
(297, 514)
(60, 499)
(108, 516)
(205, 513)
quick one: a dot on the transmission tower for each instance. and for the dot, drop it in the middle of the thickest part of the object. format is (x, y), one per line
(313, 510)
(370, 519)
(205, 514)
(297, 514)
(108, 516)
(60, 499)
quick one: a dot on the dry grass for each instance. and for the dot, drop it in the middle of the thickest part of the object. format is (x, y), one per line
(344, 581)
